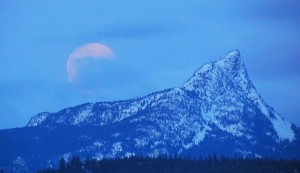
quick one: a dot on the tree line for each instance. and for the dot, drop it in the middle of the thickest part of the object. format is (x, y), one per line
(164, 164)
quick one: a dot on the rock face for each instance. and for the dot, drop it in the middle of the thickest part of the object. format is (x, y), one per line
(217, 110)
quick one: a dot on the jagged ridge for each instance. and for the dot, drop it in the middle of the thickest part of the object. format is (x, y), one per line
(218, 110)
(220, 89)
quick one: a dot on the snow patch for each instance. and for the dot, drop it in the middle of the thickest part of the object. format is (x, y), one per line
(187, 146)
(204, 68)
(140, 142)
(99, 156)
(115, 135)
(83, 115)
(117, 147)
(199, 137)
(234, 129)
(67, 156)
(283, 128)
(233, 53)
(98, 144)
(38, 119)
(129, 154)
(263, 108)
(257, 156)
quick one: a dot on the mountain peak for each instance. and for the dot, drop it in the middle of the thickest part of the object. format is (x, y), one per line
(217, 106)
(232, 60)
(229, 70)
(234, 53)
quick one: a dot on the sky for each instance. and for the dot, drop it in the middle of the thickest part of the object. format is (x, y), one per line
(155, 45)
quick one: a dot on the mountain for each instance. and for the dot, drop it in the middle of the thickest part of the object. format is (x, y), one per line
(218, 110)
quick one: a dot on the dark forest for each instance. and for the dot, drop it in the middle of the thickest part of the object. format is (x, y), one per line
(164, 164)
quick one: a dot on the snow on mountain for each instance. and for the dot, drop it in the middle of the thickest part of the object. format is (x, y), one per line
(38, 119)
(225, 84)
(217, 110)
(219, 92)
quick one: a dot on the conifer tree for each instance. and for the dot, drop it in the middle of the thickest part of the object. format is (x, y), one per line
(62, 166)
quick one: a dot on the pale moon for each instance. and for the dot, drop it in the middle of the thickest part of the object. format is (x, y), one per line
(90, 50)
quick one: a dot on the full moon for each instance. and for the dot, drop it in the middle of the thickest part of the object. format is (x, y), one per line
(90, 50)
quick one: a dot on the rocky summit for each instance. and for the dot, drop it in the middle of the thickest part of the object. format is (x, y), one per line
(218, 110)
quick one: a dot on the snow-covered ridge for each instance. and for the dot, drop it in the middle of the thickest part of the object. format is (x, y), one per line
(38, 119)
(228, 68)
(281, 126)
(219, 95)
(217, 110)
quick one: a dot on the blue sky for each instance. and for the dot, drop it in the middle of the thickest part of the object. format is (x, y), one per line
(157, 45)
